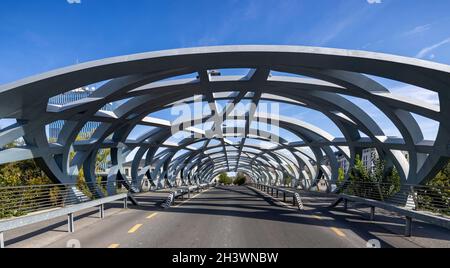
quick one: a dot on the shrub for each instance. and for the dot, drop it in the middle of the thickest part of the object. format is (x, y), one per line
(240, 180)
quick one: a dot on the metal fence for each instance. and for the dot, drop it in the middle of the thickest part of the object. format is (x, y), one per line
(418, 197)
(23, 200)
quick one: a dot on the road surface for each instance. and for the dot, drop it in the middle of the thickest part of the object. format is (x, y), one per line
(219, 218)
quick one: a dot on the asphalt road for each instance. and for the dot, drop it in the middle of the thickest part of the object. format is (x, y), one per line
(222, 217)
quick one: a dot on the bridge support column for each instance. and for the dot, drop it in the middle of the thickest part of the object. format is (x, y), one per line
(408, 227)
(2, 240)
(70, 223)
(102, 211)
(372, 213)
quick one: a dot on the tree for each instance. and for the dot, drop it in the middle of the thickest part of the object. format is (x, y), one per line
(341, 176)
(240, 179)
(224, 179)
(436, 197)
(22, 173)
(387, 178)
(380, 184)
(359, 173)
(287, 180)
(443, 178)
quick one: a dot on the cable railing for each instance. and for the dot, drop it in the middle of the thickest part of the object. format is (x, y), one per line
(417, 197)
(23, 200)
(435, 199)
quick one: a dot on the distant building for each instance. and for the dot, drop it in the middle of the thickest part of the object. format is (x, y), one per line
(343, 163)
(127, 168)
(369, 159)
(75, 95)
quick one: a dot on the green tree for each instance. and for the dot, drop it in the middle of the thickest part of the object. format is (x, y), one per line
(287, 180)
(341, 176)
(22, 173)
(359, 173)
(442, 179)
(240, 179)
(380, 184)
(224, 179)
(436, 197)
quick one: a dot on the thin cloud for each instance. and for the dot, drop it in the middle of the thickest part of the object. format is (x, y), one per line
(427, 96)
(418, 30)
(427, 50)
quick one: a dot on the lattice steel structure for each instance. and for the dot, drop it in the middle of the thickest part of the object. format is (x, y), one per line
(149, 82)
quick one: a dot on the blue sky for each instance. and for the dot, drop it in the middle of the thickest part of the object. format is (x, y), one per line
(38, 36)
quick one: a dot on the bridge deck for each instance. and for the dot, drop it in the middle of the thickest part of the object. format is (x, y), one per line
(225, 217)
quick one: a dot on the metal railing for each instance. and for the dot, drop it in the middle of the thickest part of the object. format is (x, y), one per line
(23, 200)
(187, 190)
(410, 201)
(416, 197)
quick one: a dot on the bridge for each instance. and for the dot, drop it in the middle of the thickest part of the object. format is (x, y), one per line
(188, 154)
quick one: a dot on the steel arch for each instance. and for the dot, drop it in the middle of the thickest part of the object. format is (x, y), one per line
(147, 83)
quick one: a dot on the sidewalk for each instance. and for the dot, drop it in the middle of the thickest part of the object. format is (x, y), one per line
(42, 234)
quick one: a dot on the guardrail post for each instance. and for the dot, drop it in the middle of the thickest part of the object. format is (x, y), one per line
(272, 192)
(277, 193)
(189, 193)
(70, 223)
(125, 203)
(293, 200)
(380, 192)
(2, 240)
(408, 227)
(284, 196)
(345, 204)
(414, 196)
(372, 213)
(102, 211)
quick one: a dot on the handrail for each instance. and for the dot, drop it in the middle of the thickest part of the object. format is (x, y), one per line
(22, 200)
(181, 192)
(409, 214)
(10, 224)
